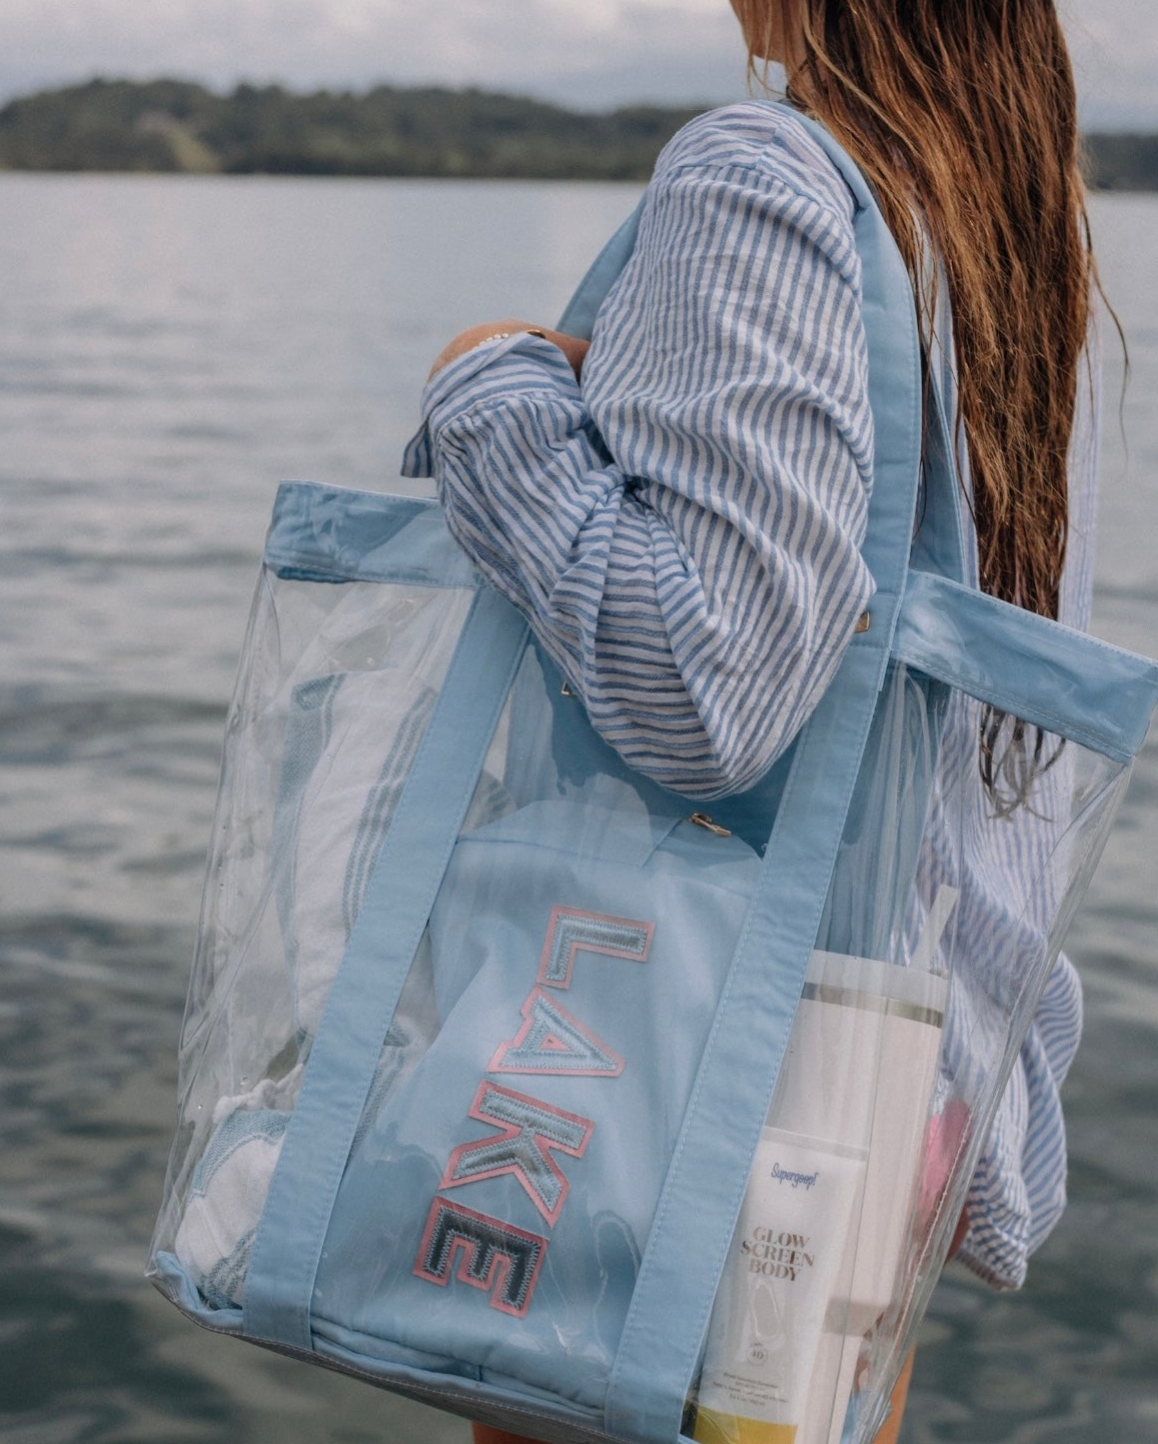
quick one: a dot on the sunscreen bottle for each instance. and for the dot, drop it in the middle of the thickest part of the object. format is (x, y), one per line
(779, 1275)
(850, 1107)
(908, 1007)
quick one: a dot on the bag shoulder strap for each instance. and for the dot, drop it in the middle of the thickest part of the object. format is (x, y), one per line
(360, 1008)
(579, 317)
(671, 1304)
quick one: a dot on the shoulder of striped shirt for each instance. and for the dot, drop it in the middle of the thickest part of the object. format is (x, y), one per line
(766, 139)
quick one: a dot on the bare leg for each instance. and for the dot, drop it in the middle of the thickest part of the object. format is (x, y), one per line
(485, 1435)
(891, 1428)
(887, 1435)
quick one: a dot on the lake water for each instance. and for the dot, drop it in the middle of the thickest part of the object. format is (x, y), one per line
(170, 349)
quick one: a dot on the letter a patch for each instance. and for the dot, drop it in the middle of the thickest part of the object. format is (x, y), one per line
(554, 1042)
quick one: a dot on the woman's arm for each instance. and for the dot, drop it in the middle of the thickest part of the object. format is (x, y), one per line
(682, 529)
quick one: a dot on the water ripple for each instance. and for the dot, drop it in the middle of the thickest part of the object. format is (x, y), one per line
(152, 405)
(39, 728)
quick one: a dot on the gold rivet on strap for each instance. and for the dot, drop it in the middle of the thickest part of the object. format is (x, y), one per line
(864, 622)
(701, 819)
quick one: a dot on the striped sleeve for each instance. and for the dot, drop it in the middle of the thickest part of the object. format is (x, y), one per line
(683, 529)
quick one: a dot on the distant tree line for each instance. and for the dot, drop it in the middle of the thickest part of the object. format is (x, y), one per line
(176, 126)
(1122, 162)
(169, 125)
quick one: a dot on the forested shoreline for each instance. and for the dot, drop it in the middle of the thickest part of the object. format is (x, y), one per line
(177, 126)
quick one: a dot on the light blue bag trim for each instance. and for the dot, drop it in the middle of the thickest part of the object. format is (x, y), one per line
(579, 317)
(362, 1001)
(327, 534)
(666, 1324)
(939, 545)
(1099, 696)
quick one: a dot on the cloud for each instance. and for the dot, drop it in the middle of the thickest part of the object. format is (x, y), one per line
(593, 52)
(527, 45)
(1114, 44)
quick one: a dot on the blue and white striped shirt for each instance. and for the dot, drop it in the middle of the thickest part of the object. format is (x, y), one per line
(683, 528)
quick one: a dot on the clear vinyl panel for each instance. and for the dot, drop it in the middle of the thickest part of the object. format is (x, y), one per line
(336, 684)
(969, 843)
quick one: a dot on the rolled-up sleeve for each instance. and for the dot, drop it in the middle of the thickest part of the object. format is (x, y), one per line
(683, 529)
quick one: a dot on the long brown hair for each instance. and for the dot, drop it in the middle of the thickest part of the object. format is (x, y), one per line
(963, 116)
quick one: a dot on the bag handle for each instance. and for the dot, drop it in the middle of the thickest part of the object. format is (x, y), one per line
(668, 1317)
(363, 998)
(939, 544)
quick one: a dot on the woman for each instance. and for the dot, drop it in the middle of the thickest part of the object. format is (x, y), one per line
(679, 508)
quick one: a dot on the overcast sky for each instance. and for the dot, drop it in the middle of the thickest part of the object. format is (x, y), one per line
(592, 53)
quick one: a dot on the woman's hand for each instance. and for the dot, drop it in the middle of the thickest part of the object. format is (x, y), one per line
(571, 346)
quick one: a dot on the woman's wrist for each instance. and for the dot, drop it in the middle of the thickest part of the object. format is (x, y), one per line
(572, 347)
(477, 336)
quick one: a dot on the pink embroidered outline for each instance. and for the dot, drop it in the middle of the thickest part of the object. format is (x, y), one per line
(561, 914)
(499, 1272)
(505, 1133)
(497, 1065)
